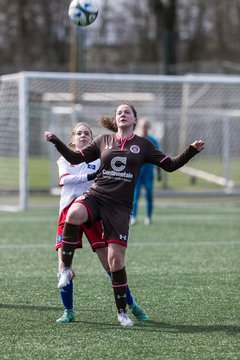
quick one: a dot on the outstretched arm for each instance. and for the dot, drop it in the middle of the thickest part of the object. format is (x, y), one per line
(174, 163)
(69, 155)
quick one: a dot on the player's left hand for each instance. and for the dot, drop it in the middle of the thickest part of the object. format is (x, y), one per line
(199, 145)
(92, 176)
(48, 135)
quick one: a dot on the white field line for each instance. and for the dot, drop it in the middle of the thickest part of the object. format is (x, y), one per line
(177, 243)
(190, 217)
(134, 244)
(28, 219)
(26, 246)
(156, 218)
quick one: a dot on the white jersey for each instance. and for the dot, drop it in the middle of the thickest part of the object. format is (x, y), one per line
(73, 180)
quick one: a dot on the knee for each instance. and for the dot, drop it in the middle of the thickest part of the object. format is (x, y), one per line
(73, 217)
(116, 263)
(76, 215)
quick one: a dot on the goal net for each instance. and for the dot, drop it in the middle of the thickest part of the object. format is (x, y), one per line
(180, 109)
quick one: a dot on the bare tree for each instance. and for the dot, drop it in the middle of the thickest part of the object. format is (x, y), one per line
(128, 36)
(34, 34)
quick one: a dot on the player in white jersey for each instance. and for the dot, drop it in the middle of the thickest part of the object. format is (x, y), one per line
(76, 180)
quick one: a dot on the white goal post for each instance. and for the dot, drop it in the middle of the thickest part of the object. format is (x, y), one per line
(180, 108)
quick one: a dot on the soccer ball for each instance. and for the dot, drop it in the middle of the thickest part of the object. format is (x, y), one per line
(82, 12)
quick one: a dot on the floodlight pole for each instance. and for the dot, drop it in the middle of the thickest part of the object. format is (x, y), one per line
(169, 36)
(78, 49)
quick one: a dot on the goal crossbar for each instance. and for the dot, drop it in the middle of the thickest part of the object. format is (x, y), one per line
(180, 109)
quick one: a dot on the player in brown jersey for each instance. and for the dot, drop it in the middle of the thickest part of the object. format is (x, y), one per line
(110, 198)
(74, 181)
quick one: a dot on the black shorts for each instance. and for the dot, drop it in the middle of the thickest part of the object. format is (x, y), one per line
(115, 217)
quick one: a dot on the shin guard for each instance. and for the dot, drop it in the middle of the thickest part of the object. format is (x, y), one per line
(69, 241)
(119, 284)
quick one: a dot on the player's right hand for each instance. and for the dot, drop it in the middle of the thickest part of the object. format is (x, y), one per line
(49, 136)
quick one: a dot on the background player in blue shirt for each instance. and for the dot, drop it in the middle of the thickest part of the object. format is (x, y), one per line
(145, 178)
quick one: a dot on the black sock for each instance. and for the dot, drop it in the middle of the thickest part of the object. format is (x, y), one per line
(70, 237)
(119, 284)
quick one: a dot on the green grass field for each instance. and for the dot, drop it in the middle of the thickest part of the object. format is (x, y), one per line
(183, 270)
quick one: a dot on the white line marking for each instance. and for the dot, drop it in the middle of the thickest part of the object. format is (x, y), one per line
(147, 244)
(156, 218)
(26, 246)
(29, 219)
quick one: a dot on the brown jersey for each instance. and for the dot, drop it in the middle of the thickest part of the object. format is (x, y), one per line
(121, 160)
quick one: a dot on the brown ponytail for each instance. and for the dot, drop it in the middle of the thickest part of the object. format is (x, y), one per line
(108, 122)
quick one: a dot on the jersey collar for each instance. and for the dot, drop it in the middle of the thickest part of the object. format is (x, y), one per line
(125, 138)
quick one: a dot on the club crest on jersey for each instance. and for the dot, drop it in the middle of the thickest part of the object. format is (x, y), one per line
(135, 149)
(91, 166)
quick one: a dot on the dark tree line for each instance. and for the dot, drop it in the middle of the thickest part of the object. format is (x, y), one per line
(127, 36)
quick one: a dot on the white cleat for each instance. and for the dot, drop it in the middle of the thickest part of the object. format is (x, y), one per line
(147, 221)
(124, 320)
(65, 278)
(133, 221)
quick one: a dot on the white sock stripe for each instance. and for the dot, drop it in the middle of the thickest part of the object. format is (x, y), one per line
(68, 242)
(116, 286)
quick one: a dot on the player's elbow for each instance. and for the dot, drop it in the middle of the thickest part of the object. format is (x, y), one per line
(169, 168)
